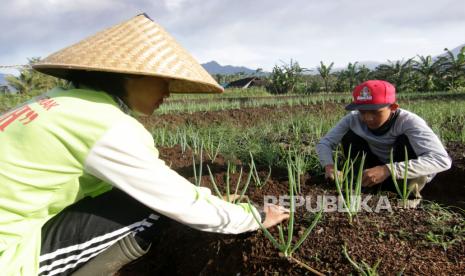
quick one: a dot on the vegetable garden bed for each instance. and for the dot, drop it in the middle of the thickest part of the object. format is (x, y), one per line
(428, 240)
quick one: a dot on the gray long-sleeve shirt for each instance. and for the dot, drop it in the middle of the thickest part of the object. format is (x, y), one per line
(432, 157)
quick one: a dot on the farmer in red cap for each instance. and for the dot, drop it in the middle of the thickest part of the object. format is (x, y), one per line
(375, 126)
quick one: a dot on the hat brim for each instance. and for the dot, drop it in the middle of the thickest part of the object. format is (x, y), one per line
(177, 85)
(354, 106)
(138, 46)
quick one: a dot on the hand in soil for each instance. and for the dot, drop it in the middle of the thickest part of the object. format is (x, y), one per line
(375, 175)
(274, 214)
(329, 173)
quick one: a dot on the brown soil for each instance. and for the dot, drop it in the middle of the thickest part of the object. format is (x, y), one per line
(243, 116)
(449, 187)
(397, 239)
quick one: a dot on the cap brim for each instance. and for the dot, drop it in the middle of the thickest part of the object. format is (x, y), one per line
(354, 106)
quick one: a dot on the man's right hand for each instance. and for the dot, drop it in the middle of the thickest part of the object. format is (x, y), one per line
(274, 214)
(329, 173)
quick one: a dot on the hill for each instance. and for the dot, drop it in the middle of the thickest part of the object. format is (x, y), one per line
(214, 67)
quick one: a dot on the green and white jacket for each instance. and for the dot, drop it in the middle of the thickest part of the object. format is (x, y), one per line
(69, 144)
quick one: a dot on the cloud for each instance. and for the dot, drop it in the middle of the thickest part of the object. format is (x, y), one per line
(251, 33)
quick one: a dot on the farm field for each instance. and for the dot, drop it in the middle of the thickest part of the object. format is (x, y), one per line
(125, 126)
(269, 141)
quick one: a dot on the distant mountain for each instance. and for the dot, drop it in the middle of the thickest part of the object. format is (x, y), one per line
(455, 51)
(2, 79)
(214, 67)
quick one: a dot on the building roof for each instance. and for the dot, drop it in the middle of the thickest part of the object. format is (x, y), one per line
(246, 82)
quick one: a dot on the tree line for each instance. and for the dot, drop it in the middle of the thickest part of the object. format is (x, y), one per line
(421, 73)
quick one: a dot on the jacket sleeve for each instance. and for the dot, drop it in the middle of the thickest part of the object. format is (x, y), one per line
(431, 155)
(329, 142)
(125, 157)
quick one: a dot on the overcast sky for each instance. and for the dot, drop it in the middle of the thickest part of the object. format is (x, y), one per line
(246, 32)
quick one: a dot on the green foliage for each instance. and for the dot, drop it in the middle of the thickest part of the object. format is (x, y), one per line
(314, 86)
(325, 73)
(300, 130)
(446, 227)
(198, 175)
(363, 74)
(428, 72)
(362, 268)
(31, 82)
(239, 183)
(399, 73)
(403, 191)
(284, 245)
(283, 79)
(348, 190)
(254, 172)
(453, 68)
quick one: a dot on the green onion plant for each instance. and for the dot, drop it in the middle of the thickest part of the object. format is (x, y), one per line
(362, 268)
(403, 191)
(348, 187)
(282, 243)
(239, 183)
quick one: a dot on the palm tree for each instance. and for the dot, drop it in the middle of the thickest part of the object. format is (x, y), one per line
(341, 84)
(325, 73)
(428, 69)
(30, 81)
(283, 79)
(363, 74)
(398, 73)
(351, 74)
(24, 83)
(453, 67)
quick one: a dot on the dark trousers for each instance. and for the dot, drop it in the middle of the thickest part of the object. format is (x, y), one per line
(88, 227)
(358, 146)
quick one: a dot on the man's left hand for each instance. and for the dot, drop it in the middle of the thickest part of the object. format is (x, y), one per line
(375, 175)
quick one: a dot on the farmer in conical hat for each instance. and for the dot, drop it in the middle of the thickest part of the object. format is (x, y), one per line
(64, 151)
(375, 126)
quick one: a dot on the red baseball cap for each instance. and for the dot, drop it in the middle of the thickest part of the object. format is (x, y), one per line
(372, 95)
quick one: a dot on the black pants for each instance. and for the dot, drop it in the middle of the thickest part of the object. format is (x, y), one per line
(358, 146)
(85, 229)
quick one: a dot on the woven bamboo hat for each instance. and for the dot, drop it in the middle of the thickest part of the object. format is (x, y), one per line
(138, 46)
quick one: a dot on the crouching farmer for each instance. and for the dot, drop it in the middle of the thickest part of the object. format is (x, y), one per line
(375, 126)
(82, 190)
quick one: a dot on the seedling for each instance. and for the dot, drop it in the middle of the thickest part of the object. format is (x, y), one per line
(349, 192)
(284, 244)
(196, 142)
(212, 148)
(183, 141)
(446, 227)
(255, 176)
(299, 165)
(198, 175)
(245, 186)
(403, 191)
(364, 269)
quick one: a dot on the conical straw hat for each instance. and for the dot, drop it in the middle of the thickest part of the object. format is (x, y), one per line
(138, 46)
